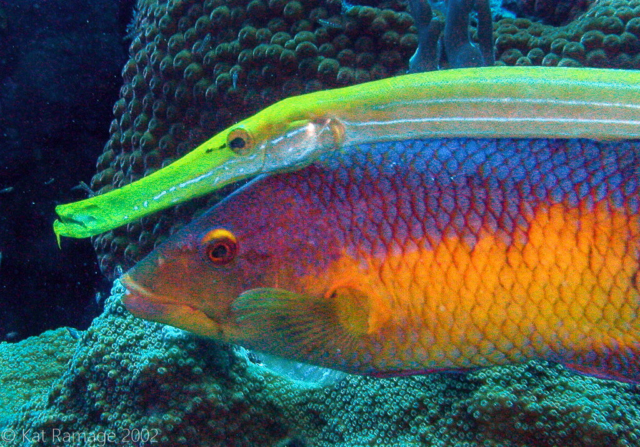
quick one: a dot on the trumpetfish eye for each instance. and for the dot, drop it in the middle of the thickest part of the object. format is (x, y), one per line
(221, 246)
(239, 141)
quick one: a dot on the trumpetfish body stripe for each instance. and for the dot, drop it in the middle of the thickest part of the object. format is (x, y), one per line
(487, 102)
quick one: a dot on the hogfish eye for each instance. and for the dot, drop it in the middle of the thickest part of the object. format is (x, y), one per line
(221, 246)
(222, 251)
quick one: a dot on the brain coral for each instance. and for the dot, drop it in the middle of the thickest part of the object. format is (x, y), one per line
(196, 66)
(132, 381)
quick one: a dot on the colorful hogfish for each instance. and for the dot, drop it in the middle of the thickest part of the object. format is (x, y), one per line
(421, 255)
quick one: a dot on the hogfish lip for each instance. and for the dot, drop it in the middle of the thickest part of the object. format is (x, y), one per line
(145, 304)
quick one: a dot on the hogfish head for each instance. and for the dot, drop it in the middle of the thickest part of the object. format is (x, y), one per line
(264, 236)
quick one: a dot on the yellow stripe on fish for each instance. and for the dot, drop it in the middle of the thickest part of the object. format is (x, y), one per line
(419, 255)
(477, 102)
(494, 303)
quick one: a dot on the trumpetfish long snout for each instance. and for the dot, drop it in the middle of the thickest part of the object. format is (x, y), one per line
(487, 102)
(419, 255)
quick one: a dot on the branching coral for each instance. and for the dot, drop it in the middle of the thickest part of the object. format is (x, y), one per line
(460, 51)
(430, 26)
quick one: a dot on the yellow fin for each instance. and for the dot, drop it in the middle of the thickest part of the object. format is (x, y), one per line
(56, 230)
(299, 326)
(357, 312)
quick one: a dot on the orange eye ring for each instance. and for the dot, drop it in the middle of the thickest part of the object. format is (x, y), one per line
(221, 246)
(222, 251)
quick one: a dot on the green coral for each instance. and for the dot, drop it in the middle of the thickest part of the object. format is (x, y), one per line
(28, 368)
(606, 36)
(132, 377)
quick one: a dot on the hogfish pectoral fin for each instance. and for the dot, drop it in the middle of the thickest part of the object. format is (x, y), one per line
(284, 322)
(357, 311)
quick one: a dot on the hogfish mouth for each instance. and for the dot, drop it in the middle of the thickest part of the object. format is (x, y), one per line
(143, 303)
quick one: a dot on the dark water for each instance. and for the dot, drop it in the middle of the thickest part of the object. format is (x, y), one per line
(60, 63)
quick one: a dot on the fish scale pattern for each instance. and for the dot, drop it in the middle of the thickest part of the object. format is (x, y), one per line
(493, 250)
(434, 253)
(196, 66)
(431, 187)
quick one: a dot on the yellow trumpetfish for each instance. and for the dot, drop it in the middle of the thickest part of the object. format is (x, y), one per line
(482, 102)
